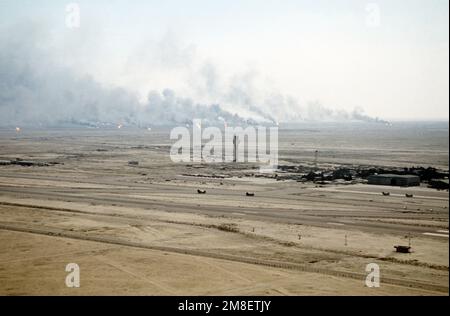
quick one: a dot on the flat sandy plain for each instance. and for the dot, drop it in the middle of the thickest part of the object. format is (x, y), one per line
(144, 230)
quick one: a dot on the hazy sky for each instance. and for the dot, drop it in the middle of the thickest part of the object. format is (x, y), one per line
(340, 53)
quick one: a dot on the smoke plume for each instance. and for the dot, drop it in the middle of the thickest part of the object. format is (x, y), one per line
(37, 90)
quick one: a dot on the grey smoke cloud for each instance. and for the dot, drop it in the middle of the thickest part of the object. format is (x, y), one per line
(167, 107)
(242, 91)
(35, 89)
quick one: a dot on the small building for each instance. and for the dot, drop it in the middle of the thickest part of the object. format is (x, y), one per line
(440, 184)
(394, 179)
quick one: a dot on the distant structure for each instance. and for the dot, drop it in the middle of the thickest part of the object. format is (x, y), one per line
(394, 179)
(235, 148)
(440, 184)
(403, 249)
(316, 157)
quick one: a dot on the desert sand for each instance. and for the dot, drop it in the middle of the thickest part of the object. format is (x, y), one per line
(144, 230)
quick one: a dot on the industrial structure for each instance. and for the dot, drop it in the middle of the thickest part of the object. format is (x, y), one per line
(235, 148)
(394, 179)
